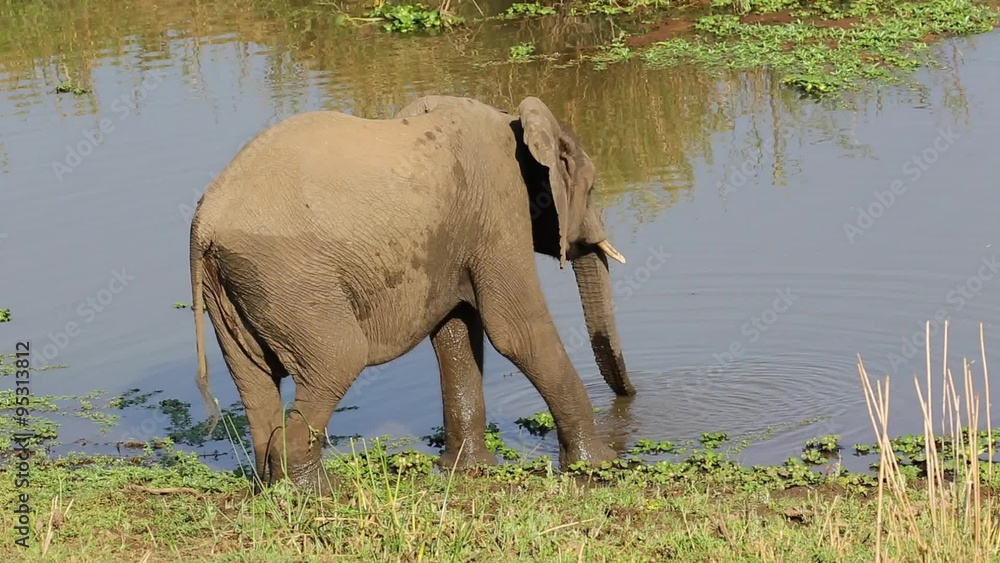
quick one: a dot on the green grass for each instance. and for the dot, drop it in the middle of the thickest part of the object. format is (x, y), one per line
(888, 40)
(818, 47)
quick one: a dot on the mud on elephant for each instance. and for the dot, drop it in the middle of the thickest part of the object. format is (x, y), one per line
(331, 243)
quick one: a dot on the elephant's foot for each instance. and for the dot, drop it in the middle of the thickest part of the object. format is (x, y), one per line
(592, 451)
(318, 480)
(310, 476)
(469, 458)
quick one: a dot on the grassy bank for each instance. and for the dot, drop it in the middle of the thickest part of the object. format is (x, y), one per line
(931, 498)
(177, 508)
(823, 46)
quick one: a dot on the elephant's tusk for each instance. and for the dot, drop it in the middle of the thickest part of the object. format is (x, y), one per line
(610, 251)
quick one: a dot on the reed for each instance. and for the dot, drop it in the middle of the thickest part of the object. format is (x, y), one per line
(953, 514)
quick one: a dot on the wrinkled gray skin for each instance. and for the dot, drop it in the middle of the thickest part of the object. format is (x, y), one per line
(331, 243)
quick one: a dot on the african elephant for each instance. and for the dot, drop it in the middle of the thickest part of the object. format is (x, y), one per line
(332, 242)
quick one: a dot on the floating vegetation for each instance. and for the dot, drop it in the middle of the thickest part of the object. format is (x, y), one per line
(406, 18)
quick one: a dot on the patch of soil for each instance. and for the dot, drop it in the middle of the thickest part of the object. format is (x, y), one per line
(798, 492)
(666, 30)
(133, 445)
(772, 18)
(786, 17)
(622, 512)
(871, 59)
(229, 503)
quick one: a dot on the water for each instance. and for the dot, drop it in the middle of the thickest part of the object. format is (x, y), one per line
(728, 194)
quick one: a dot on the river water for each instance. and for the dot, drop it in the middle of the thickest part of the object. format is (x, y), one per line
(771, 239)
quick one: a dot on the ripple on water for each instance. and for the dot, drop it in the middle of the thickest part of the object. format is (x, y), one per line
(745, 396)
(804, 368)
(740, 396)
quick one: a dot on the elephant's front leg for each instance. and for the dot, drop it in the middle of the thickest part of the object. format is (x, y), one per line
(458, 345)
(518, 324)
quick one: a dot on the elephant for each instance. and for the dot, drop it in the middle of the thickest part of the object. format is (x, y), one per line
(333, 242)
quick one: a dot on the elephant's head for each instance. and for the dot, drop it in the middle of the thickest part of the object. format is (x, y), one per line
(565, 225)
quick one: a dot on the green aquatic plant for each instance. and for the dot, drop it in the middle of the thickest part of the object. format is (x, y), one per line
(494, 441)
(8, 365)
(183, 305)
(132, 398)
(649, 447)
(813, 457)
(39, 417)
(613, 7)
(521, 51)
(757, 6)
(712, 440)
(538, 424)
(828, 444)
(526, 9)
(70, 86)
(406, 18)
(495, 444)
(614, 52)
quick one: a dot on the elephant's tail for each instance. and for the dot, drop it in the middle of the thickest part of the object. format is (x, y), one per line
(198, 258)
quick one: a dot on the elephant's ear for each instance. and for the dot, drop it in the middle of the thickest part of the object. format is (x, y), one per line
(543, 136)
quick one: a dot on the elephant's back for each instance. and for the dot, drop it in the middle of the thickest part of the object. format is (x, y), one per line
(332, 164)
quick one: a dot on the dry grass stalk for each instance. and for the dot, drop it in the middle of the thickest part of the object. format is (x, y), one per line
(56, 518)
(963, 523)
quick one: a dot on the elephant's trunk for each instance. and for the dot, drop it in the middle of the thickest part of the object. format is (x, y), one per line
(594, 282)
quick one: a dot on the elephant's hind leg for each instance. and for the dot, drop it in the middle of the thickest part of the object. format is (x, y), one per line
(458, 345)
(324, 349)
(257, 375)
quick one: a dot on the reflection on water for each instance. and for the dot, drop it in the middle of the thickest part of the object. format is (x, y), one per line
(724, 192)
